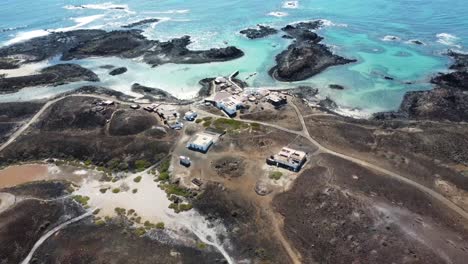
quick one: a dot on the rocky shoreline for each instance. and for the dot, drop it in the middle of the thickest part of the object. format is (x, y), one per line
(54, 75)
(80, 44)
(448, 100)
(306, 56)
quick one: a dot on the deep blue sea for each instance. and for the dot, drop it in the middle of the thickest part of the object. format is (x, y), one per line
(375, 32)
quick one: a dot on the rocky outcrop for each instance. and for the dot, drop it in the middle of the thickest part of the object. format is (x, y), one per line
(81, 44)
(259, 32)
(306, 57)
(118, 71)
(447, 101)
(459, 77)
(141, 23)
(53, 75)
(155, 93)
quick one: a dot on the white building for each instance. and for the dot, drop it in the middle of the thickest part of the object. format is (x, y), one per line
(228, 103)
(190, 116)
(201, 142)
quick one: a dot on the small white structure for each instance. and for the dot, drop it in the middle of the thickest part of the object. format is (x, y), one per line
(288, 158)
(107, 102)
(185, 161)
(201, 142)
(228, 103)
(220, 80)
(190, 116)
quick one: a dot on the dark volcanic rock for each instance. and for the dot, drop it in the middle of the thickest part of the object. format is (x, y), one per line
(8, 64)
(53, 75)
(156, 93)
(336, 87)
(259, 32)
(447, 101)
(131, 122)
(80, 44)
(306, 57)
(118, 71)
(206, 89)
(101, 91)
(141, 22)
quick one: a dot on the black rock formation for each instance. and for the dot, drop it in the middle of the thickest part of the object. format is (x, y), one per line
(305, 57)
(259, 32)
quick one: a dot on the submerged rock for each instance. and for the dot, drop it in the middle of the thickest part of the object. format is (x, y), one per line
(142, 22)
(306, 57)
(447, 101)
(118, 71)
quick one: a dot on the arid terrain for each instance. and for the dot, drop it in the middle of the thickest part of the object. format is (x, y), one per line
(95, 176)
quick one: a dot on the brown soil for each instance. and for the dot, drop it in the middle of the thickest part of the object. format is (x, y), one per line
(230, 167)
(15, 175)
(338, 212)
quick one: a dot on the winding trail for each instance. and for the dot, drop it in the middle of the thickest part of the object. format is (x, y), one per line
(51, 232)
(321, 149)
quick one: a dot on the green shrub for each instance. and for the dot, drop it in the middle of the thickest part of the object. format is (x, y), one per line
(134, 190)
(229, 124)
(201, 245)
(160, 225)
(207, 123)
(198, 121)
(88, 162)
(96, 211)
(164, 176)
(131, 211)
(103, 190)
(141, 165)
(100, 223)
(83, 200)
(175, 189)
(164, 166)
(120, 211)
(137, 179)
(276, 175)
(116, 190)
(140, 231)
(185, 207)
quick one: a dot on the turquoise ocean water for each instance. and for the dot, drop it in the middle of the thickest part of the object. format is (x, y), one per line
(357, 29)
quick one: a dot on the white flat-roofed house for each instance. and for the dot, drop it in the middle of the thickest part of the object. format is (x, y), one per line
(230, 104)
(276, 99)
(288, 158)
(201, 142)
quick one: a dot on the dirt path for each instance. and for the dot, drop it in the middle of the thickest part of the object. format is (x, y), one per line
(321, 149)
(51, 232)
(6, 201)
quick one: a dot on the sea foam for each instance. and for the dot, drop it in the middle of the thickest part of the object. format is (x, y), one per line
(448, 39)
(291, 4)
(23, 36)
(103, 6)
(278, 14)
(391, 38)
(81, 21)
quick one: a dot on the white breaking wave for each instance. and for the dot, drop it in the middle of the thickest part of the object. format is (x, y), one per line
(278, 14)
(291, 4)
(448, 39)
(103, 6)
(23, 36)
(391, 38)
(329, 23)
(81, 21)
(178, 11)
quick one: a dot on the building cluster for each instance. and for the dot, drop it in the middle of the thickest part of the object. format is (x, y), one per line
(230, 97)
